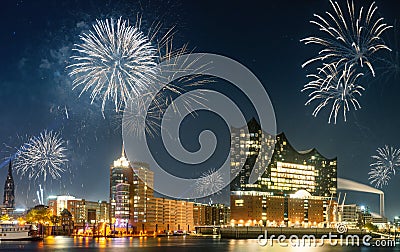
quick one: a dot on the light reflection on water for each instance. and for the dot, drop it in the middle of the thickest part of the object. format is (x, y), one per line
(165, 244)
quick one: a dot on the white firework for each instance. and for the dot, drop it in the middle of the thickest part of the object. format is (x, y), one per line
(379, 176)
(210, 182)
(115, 61)
(42, 156)
(331, 86)
(353, 36)
(145, 113)
(387, 158)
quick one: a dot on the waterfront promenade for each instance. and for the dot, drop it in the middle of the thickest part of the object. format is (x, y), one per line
(254, 232)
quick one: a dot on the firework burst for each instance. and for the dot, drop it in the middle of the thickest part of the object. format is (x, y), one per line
(145, 113)
(115, 61)
(336, 87)
(379, 176)
(210, 182)
(42, 156)
(352, 36)
(387, 158)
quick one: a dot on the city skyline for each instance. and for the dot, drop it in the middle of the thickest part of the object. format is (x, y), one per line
(252, 126)
(326, 187)
(312, 202)
(266, 38)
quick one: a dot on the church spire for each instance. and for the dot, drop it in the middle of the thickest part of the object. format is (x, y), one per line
(10, 169)
(9, 197)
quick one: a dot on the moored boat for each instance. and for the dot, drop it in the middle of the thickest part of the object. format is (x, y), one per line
(10, 231)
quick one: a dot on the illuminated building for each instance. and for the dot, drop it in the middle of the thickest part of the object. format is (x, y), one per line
(167, 215)
(246, 209)
(77, 208)
(294, 189)
(220, 214)
(58, 203)
(83, 212)
(245, 148)
(351, 215)
(132, 202)
(122, 205)
(103, 212)
(199, 214)
(206, 215)
(184, 215)
(121, 192)
(67, 222)
(143, 183)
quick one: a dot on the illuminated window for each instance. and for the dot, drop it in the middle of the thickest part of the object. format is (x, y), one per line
(239, 203)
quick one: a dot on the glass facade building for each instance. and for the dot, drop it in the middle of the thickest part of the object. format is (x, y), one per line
(293, 187)
(288, 171)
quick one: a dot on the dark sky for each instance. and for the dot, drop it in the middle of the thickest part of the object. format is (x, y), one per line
(36, 40)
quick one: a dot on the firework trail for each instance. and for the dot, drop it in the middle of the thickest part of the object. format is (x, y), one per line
(42, 156)
(115, 61)
(352, 36)
(39, 195)
(209, 182)
(336, 87)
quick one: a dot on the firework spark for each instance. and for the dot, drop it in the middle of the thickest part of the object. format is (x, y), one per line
(42, 156)
(354, 37)
(334, 86)
(210, 182)
(115, 61)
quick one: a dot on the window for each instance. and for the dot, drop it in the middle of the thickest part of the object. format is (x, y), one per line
(239, 203)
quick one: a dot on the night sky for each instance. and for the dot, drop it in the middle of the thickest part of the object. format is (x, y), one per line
(36, 39)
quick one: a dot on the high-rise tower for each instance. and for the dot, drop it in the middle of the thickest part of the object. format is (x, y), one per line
(9, 198)
(121, 191)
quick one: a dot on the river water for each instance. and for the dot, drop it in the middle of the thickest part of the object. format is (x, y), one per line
(175, 243)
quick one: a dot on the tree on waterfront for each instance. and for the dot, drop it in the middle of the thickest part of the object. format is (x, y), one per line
(43, 215)
(371, 227)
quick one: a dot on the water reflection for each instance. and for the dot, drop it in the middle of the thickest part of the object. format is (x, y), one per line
(164, 243)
